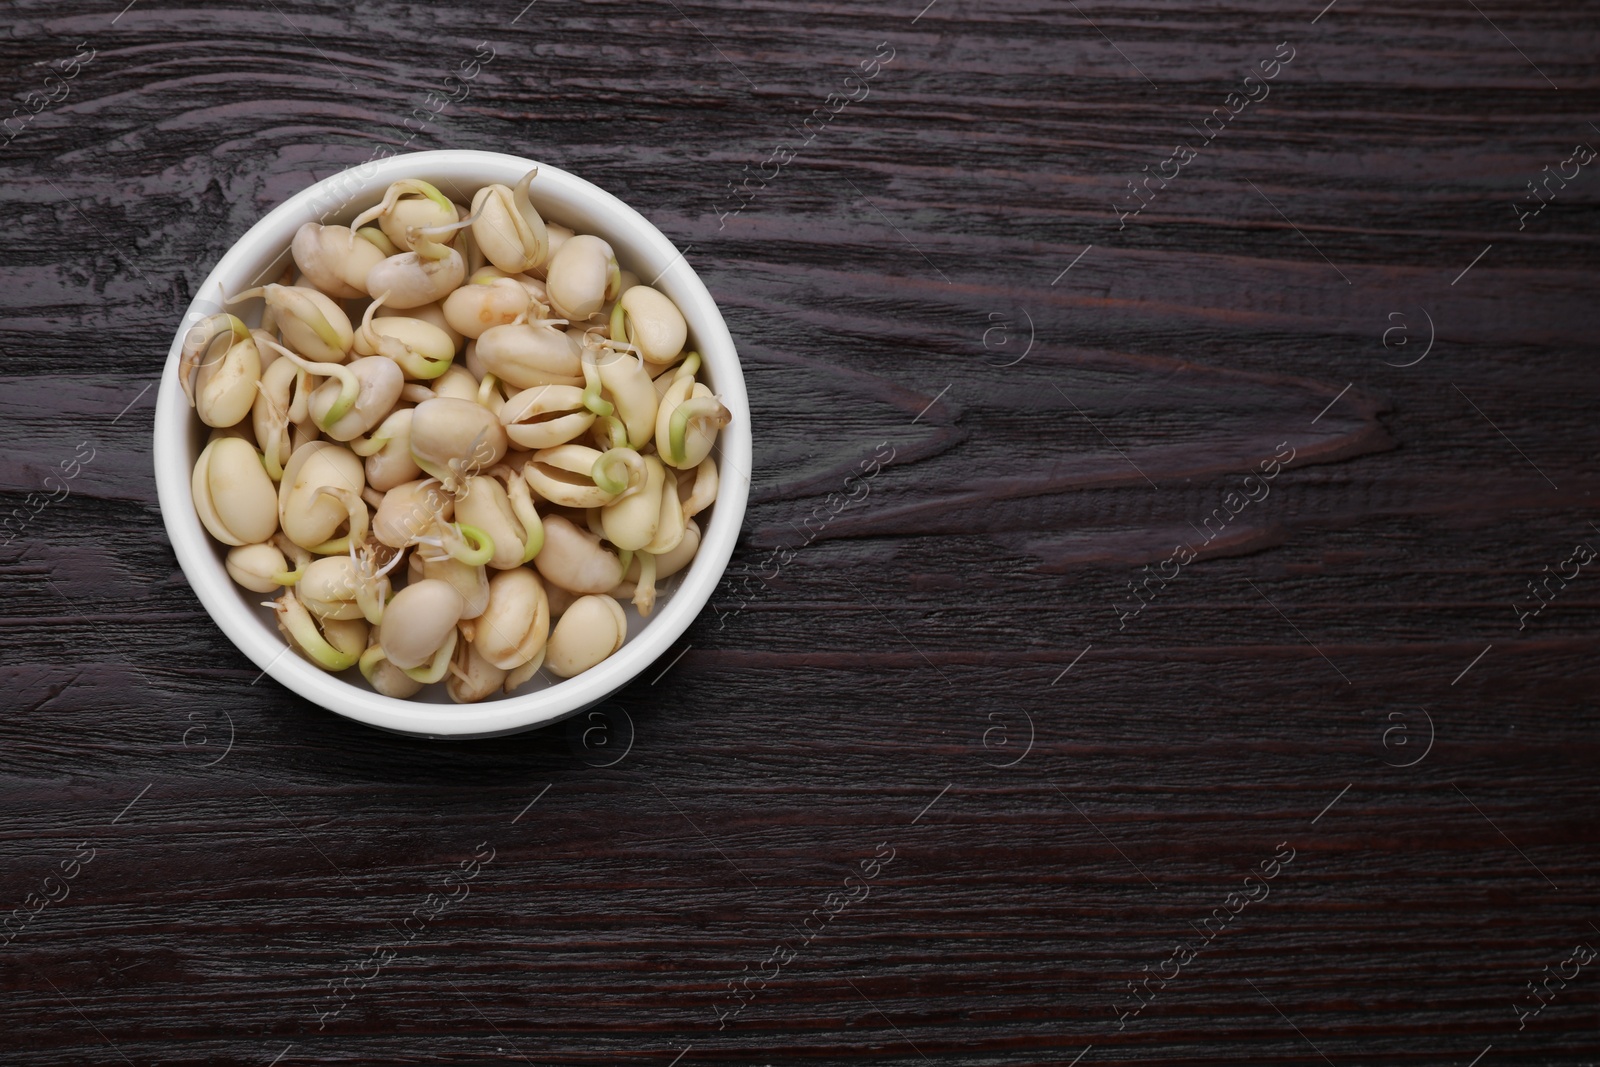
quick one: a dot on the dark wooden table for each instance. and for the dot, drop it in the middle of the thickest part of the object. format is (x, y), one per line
(1174, 694)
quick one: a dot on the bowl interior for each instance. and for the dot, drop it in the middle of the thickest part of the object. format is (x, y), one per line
(262, 254)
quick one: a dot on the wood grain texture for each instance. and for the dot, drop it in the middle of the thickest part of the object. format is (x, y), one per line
(952, 667)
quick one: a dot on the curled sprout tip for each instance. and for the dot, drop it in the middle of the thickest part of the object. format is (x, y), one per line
(297, 623)
(355, 508)
(708, 408)
(391, 196)
(349, 384)
(592, 385)
(367, 334)
(369, 661)
(480, 546)
(521, 498)
(620, 472)
(540, 252)
(439, 666)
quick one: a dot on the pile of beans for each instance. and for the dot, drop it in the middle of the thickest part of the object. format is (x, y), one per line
(460, 437)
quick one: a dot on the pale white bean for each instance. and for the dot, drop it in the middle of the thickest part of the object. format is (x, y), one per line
(310, 518)
(516, 621)
(575, 559)
(419, 619)
(232, 493)
(591, 629)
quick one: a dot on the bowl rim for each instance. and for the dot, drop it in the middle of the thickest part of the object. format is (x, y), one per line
(648, 249)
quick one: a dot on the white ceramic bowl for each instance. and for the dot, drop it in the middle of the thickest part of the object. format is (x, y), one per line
(260, 256)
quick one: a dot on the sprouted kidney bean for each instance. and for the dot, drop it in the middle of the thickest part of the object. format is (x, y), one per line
(446, 472)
